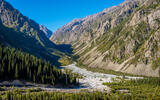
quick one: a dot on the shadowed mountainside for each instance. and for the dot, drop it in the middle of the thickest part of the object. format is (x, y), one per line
(20, 32)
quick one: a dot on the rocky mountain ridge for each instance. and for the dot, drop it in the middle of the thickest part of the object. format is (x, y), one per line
(124, 38)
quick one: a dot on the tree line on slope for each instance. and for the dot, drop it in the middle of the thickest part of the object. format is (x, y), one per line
(15, 64)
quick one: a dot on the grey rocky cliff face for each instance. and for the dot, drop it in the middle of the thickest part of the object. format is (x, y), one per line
(97, 23)
(123, 38)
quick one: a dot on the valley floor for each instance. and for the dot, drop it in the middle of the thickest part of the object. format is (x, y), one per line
(92, 85)
(92, 81)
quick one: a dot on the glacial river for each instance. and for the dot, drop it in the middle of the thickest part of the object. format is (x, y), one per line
(93, 80)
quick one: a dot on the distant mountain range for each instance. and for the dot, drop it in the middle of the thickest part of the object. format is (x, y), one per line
(123, 38)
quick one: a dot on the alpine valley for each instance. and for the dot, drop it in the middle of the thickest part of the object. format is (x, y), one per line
(111, 55)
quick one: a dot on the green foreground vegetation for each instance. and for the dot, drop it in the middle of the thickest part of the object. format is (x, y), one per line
(37, 94)
(140, 89)
(42, 95)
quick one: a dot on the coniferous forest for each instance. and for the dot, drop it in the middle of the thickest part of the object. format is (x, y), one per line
(15, 64)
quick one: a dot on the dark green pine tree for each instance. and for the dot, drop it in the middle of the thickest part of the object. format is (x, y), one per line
(16, 72)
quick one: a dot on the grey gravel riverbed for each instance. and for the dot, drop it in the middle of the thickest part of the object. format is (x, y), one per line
(93, 80)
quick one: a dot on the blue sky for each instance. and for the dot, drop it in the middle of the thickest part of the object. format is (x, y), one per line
(56, 13)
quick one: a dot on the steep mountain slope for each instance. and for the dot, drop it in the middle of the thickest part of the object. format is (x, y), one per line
(47, 32)
(22, 41)
(124, 38)
(12, 18)
(21, 32)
